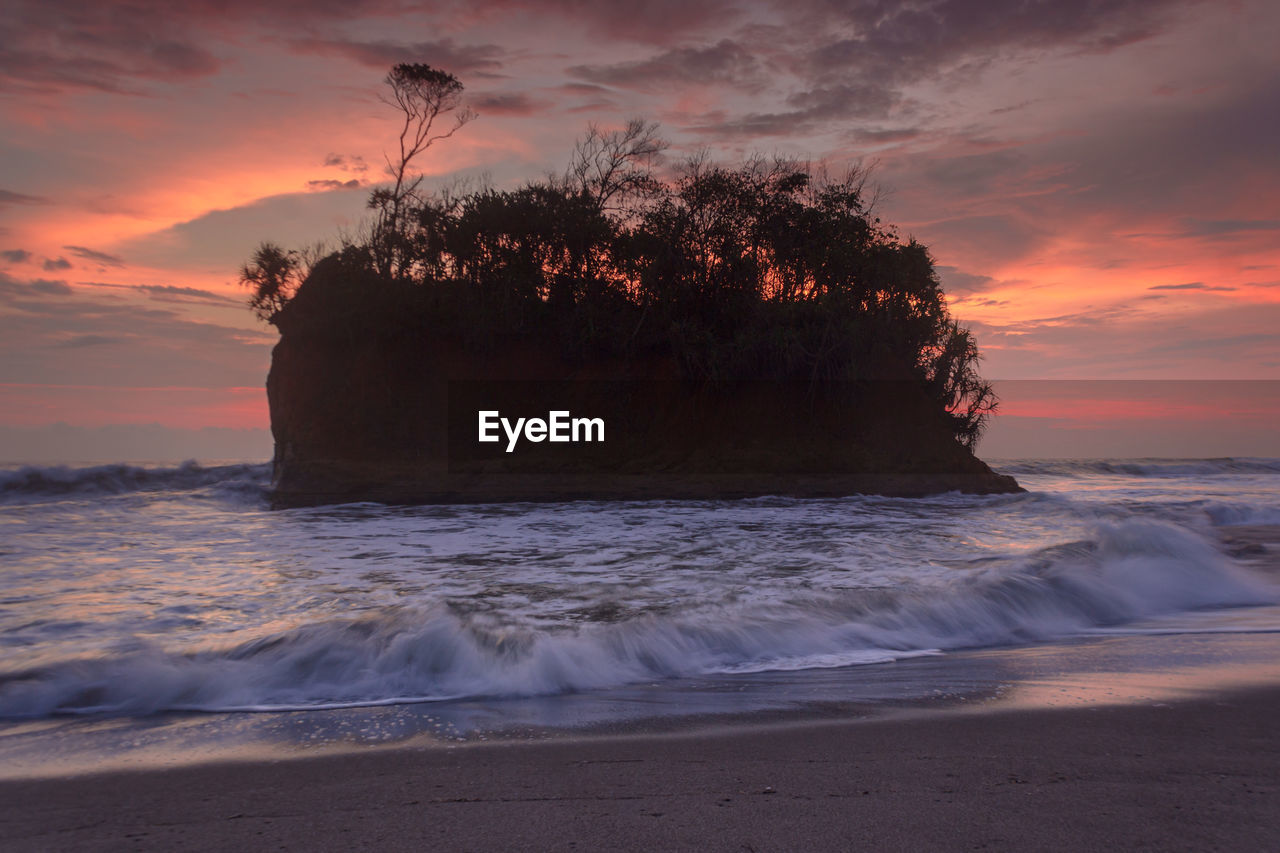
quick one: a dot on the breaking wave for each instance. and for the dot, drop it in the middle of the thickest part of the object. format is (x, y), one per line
(1125, 571)
(31, 482)
(1139, 467)
(1231, 514)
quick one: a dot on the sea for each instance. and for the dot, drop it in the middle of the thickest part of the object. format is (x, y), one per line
(154, 614)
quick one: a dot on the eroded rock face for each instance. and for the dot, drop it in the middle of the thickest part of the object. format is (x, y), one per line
(371, 399)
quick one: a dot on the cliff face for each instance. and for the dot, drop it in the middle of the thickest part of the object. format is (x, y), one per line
(371, 400)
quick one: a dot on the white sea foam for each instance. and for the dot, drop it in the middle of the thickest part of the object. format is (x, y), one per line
(1122, 572)
(28, 483)
(132, 589)
(1232, 514)
(1140, 468)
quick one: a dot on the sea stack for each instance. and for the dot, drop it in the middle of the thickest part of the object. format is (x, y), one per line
(375, 397)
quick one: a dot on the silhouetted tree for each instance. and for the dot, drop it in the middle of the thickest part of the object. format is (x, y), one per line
(422, 94)
(952, 372)
(616, 167)
(768, 270)
(272, 276)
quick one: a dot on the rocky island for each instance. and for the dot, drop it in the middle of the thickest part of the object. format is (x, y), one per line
(736, 331)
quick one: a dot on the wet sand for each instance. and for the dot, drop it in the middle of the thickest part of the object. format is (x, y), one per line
(1199, 774)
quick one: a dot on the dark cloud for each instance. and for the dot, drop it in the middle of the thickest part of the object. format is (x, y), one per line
(170, 293)
(47, 329)
(660, 22)
(594, 107)
(957, 281)
(508, 104)
(110, 58)
(898, 41)
(887, 135)
(724, 63)
(813, 109)
(1218, 345)
(56, 264)
(843, 100)
(1204, 155)
(347, 162)
(1117, 181)
(79, 341)
(445, 53)
(1190, 285)
(131, 47)
(975, 175)
(578, 88)
(987, 238)
(16, 256)
(14, 292)
(10, 197)
(95, 256)
(600, 98)
(51, 287)
(852, 61)
(1226, 227)
(328, 184)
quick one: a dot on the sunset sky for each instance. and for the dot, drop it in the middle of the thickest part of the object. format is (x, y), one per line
(1099, 182)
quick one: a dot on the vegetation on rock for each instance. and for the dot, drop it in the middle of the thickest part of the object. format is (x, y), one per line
(772, 269)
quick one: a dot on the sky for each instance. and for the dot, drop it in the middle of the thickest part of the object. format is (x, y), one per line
(1098, 182)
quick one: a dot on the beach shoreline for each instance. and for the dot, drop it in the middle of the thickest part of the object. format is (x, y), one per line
(1183, 774)
(1158, 733)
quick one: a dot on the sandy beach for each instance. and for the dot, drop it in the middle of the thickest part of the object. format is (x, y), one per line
(1201, 774)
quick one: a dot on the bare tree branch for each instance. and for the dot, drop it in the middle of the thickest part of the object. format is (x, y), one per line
(616, 168)
(422, 94)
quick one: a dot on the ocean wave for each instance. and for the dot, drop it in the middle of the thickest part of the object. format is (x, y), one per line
(1237, 514)
(32, 482)
(1154, 468)
(1126, 571)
